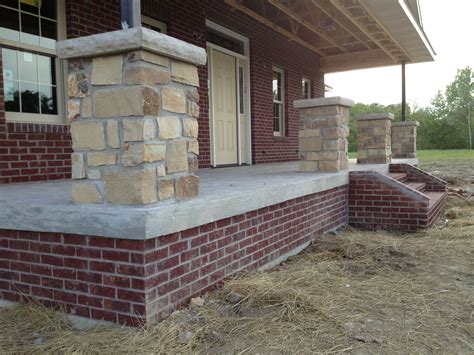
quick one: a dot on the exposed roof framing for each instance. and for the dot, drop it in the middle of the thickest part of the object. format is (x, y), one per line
(355, 33)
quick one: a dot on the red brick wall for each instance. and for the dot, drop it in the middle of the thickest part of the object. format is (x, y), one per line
(125, 280)
(87, 17)
(186, 20)
(35, 152)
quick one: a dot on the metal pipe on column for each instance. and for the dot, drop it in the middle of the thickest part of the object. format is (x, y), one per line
(131, 13)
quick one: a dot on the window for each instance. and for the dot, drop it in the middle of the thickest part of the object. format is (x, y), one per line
(278, 102)
(153, 24)
(306, 88)
(28, 33)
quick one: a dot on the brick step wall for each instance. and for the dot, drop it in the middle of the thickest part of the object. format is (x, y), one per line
(405, 199)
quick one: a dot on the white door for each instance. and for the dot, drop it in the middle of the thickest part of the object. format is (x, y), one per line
(224, 107)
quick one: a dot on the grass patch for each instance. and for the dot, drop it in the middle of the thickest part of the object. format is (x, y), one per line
(449, 154)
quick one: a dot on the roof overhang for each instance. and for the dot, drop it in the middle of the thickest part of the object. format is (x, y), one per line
(347, 34)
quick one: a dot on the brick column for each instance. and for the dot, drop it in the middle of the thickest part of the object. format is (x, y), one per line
(404, 139)
(133, 111)
(373, 138)
(323, 134)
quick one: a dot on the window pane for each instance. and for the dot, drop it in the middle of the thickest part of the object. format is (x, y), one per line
(276, 86)
(28, 66)
(10, 3)
(30, 6)
(48, 29)
(48, 9)
(276, 117)
(29, 98)
(29, 24)
(9, 19)
(46, 67)
(48, 100)
(12, 100)
(10, 64)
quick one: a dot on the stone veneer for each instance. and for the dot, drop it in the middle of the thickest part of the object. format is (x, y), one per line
(133, 108)
(404, 139)
(323, 134)
(373, 138)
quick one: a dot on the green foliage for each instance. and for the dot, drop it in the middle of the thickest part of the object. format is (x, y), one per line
(445, 124)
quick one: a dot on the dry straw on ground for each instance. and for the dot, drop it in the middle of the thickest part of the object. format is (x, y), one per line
(354, 292)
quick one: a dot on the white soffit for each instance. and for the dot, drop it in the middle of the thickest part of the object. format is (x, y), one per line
(400, 22)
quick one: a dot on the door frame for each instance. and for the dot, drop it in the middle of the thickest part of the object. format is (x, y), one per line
(246, 59)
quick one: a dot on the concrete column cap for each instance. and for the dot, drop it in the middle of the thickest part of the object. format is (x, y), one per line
(323, 101)
(375, 116)
(405, 123)
(128, 40)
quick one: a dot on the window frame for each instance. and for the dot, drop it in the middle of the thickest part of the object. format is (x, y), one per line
(60, 72)
(282, 102)
(309, 94)
(154, 23)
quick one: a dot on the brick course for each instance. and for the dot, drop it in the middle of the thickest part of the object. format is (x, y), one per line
(130, 281)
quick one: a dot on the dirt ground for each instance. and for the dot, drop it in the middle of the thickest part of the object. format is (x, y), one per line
(351, 292)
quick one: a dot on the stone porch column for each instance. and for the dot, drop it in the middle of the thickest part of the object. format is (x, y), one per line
(373, 138)
(323, 134)
(133, 108)
(404, 139)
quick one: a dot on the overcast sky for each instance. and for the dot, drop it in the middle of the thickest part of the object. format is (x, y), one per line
(449, 25)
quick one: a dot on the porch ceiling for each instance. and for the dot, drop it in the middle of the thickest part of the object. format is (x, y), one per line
(347, 34)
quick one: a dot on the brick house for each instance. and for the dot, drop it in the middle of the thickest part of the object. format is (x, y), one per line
(131, 114)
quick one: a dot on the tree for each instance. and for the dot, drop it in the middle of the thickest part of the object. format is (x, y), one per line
(460, 100)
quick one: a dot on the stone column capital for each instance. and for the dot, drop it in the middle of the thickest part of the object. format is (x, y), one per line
(375, 116)
(405, 124)
(323, 101)
(129, 40)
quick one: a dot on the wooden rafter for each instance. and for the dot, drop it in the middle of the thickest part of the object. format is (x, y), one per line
(237, 5)
(345, 12)
(296, 17)
(344, 23)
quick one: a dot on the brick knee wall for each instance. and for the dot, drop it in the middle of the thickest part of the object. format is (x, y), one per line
(130, 281)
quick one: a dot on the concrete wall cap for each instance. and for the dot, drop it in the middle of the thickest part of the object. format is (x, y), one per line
(323, 101)
(131, 39)
(375, 116)
(405, 123)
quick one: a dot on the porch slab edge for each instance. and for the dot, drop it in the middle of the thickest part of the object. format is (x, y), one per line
(47, 207)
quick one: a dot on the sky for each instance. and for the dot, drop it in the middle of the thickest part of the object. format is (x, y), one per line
(449, 27)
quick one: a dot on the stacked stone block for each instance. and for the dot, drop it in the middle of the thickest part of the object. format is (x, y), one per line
(134, 128)
(323, 134)
(404, 139)
(373, 138)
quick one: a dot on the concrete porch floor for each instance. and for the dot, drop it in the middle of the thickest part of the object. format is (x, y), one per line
(224, 192)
